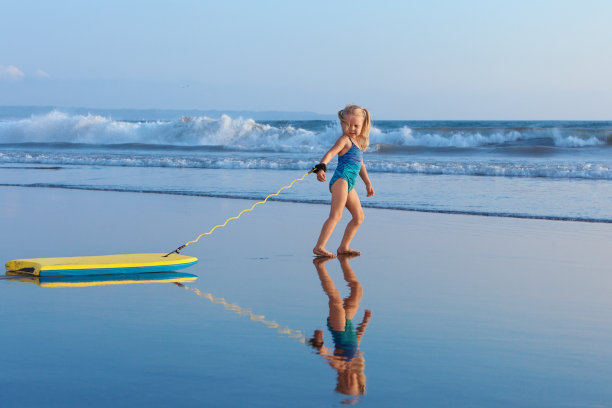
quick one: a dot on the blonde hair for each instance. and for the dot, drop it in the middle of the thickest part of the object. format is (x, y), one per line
(351, 380)
(364, 137)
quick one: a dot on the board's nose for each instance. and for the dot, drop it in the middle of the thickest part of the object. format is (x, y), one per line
(23, 266)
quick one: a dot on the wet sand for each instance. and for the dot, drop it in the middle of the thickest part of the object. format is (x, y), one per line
(466, 310)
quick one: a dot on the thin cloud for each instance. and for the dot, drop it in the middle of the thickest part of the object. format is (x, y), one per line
(11, 73)
(42, 74)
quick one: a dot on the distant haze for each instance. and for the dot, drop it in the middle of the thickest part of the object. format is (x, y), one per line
(127, 114)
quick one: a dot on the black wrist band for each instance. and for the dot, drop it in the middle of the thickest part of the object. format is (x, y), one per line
(319, 167)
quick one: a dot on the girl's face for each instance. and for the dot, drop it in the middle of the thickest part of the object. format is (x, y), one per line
(353, 125)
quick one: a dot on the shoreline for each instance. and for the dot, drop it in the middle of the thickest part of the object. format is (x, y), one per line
(313, 202)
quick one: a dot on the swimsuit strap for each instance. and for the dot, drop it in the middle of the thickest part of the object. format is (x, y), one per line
(355, 144)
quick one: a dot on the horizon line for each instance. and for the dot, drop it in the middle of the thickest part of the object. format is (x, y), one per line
(321, 116)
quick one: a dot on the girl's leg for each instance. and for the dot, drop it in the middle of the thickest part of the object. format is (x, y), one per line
(351, 302)
(337, 315)
(354, 206)
(339, 191)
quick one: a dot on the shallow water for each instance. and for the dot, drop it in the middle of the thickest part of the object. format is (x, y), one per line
(530, 169)
(567, 199)
(466, 311)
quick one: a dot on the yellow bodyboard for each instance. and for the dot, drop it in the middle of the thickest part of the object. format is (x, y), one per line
(101, 264)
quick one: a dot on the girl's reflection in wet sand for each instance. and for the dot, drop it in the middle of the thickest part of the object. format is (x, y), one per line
(345, 357)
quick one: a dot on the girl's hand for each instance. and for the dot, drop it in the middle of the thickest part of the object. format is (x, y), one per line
(370, 190)
(321, 175)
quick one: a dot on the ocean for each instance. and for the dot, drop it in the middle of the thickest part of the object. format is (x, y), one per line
(559, 170)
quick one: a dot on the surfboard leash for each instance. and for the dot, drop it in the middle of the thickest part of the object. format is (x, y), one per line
(177, 250)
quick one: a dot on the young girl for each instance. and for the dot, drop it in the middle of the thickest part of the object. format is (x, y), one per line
(350, 146)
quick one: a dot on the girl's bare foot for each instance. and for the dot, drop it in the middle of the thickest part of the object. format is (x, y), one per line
(323, 252)
(348, 251)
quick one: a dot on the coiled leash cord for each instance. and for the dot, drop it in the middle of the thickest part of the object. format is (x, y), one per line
(320, 166)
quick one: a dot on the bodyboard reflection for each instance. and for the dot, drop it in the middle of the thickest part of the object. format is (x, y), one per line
(103, 280)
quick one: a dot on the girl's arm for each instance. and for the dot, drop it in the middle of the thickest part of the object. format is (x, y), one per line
(363, 173)
(336, 148)
(364, 323)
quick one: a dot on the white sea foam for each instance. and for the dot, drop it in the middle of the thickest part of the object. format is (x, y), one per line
(571, 170)
(239, 133)
(248, 135)
(407, 137)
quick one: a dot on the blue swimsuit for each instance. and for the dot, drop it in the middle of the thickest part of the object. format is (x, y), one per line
(349, 166)
(346, 343)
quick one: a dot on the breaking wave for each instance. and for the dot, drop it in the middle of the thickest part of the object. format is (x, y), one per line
(287, 136)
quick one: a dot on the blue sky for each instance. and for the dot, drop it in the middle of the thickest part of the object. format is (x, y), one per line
(402, 59)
